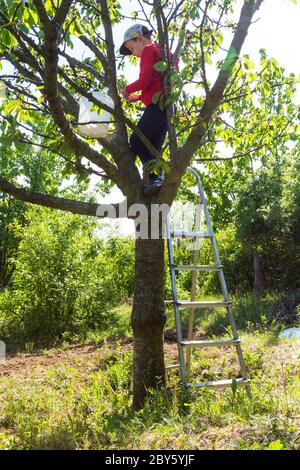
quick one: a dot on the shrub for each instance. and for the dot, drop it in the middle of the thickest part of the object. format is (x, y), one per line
(66, 279)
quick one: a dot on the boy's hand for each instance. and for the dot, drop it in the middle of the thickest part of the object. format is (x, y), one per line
(125, 94)
(132, 98)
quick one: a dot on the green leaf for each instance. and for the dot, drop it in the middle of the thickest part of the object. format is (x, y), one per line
(14, 9)
(164, 165)
(156, 97)
(49, 7)
(8, 39)
(12, 106)
(266, 89)
(9, 3)
(249, 64)
(24, 115)
(160, 66)
(162, 102)
(234, 386)
(68, 170)
(276, 445)
(230, 59)
(173, 77)
(83, 177)
(208, 59)
(149, 165)
(77, 28)
(20, 146)
(252, 76)
(33, 18)
(66, 150)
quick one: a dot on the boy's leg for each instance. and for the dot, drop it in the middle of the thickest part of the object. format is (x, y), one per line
(158, 141)
(153, 125)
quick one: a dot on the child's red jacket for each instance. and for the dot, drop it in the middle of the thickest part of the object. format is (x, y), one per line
(150, 80)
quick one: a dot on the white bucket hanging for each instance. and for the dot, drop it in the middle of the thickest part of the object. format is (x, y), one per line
(100, 118)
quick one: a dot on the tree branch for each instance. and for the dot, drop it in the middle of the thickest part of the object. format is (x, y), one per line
(86, 67)
(110, 71)
(165, 56)
(213, 100)
(77, 165)
(62, 11)
(203, 67)
(51, 86)
(87, 42)
(55, 202)
(235, 156)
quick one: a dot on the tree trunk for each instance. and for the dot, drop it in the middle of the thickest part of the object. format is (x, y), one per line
(259, 278)
(148, 319)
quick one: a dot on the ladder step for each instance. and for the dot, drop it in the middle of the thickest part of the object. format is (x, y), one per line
(210, 343)
(197, 267)
(199, 304)
(217, 383)
(183, 234)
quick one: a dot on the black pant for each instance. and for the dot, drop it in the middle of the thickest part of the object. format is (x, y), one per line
(153, 124)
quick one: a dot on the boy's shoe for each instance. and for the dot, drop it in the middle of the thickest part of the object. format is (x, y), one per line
(153, 185)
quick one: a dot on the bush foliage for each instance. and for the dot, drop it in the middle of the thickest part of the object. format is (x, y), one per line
(66, 279)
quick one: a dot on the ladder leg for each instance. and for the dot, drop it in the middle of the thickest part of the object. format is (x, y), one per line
(193, 297)
(239, 350)
(233, 327)
(183, 371)
(231, 318)
(191, 314)
(189, 337)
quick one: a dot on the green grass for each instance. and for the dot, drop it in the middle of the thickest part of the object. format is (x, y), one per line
(250, 313)
(59, 400)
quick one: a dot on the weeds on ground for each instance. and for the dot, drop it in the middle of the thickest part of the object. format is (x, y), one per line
(67, 407)
(62, 410)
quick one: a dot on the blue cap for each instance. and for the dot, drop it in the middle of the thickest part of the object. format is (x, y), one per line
(132, 33)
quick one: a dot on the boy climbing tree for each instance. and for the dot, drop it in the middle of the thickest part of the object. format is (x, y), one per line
(153, 123)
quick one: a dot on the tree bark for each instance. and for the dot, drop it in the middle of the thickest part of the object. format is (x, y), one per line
(148, 319)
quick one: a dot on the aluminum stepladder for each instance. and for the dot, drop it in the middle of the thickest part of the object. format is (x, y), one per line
(185, 346)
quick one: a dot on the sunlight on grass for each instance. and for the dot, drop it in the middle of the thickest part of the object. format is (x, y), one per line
(72, 406)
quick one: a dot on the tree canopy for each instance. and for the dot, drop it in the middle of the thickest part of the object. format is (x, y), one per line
(39, 41)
